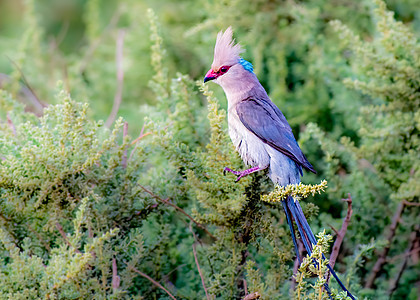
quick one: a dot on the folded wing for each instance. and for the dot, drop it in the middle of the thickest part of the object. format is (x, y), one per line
(268, 123)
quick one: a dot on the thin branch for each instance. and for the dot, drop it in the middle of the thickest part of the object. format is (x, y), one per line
(26, 93)
(115, 278)
(64, 236)
(296, 263)
(405, 254)
(136, 140)
(394, 285)
(166, 201)
(119, 55)
(35, 100)
(166, 277)
(340, 234)
(44, 243)
(382, 257)
(10, 123)
(245, 287)
(142, 135)
(333, 229)
(408, 203)
(200, 272)
(151, 280)
(198, 265)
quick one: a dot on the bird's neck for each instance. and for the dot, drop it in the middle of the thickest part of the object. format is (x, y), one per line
(243, 89)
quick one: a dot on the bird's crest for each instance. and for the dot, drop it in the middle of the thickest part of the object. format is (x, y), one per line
(226, 52)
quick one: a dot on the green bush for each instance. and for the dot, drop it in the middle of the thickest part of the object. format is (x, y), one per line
(138, 207)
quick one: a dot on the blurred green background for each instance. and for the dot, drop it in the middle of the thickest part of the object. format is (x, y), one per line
(358, 92)
(289, 42)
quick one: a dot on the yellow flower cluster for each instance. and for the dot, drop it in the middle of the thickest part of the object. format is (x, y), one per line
(297, 191)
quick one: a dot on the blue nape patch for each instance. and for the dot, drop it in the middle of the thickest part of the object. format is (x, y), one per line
(247, 65)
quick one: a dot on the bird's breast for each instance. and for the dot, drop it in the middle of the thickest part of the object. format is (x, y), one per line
(251, 149)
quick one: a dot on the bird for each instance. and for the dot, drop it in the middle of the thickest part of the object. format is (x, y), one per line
(261, 134)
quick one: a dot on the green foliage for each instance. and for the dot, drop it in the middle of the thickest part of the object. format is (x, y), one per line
(85, 209)
(313, 265)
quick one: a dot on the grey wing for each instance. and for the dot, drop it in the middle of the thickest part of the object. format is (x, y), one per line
(267, 122)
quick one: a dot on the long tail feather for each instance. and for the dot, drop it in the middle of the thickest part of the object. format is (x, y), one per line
(293, 209)
(292, 230)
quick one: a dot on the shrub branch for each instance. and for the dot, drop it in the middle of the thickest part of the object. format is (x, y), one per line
(340, 234)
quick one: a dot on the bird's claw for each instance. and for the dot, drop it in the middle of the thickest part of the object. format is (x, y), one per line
(239, 174)
(225, 170)
(238, 178)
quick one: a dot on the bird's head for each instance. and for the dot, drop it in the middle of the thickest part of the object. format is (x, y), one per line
(228, 68)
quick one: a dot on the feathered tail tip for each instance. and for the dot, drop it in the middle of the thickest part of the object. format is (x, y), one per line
(226, 52)
(294, 212)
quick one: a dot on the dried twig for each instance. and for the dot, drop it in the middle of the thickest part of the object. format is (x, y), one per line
(413, 251)
(166, 201)
(115, 278)
(142, 135)
(340, 234)
(120, 78)
(408, 203)
(296, 263)
(40, 238)
(200, 272)
(10, 123)
(252, 296)
(415, 235)
(333, 229)
(151, 280)
(36, 106)
(33, 98)
(382, 257)
(64, 236)
(198, 265)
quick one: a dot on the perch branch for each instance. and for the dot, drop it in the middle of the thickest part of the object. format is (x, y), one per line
(120, 78)
(166, 201)
(340, 234)
(382, 257)
(151, 280)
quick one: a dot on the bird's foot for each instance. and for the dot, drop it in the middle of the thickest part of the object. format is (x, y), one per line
(243, 173)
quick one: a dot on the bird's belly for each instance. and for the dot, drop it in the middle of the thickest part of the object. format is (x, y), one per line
(251, 149)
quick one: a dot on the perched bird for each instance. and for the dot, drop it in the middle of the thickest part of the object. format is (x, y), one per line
(260, 132)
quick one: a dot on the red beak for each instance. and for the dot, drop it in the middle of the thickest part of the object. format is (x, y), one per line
(210, 76)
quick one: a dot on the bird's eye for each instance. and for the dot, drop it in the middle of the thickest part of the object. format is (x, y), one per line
(224, 69)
